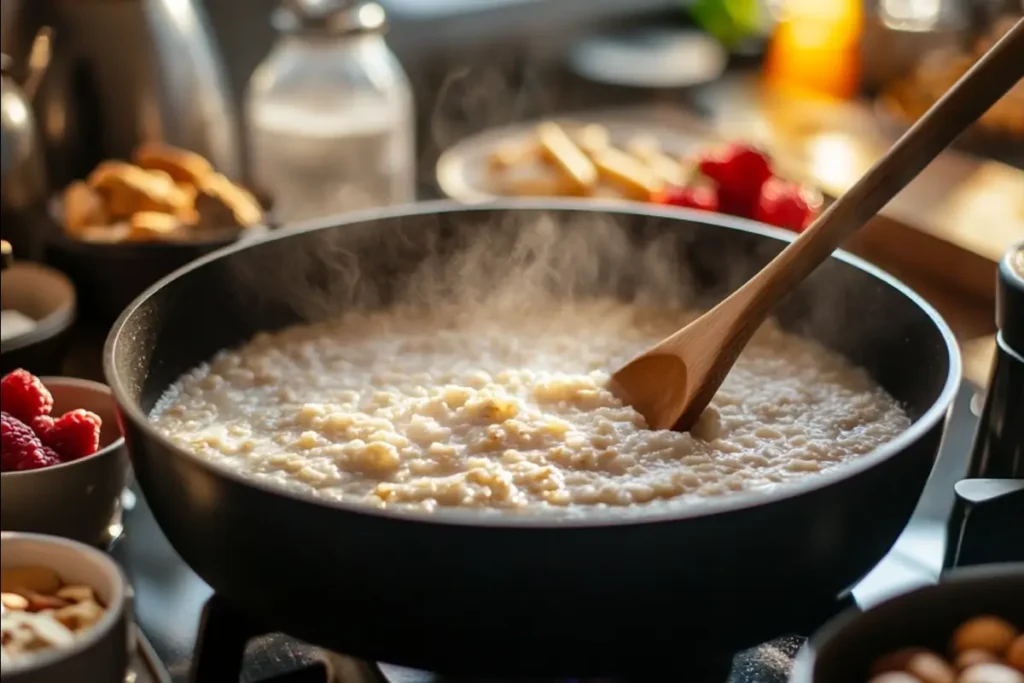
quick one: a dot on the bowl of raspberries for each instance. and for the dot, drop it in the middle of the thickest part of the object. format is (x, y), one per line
(63, 460)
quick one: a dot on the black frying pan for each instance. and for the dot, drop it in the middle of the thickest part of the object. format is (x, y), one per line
(453, 592)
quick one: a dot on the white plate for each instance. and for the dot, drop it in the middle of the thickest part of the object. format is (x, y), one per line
(463, 170)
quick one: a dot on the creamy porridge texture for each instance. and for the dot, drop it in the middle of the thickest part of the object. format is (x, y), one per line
(503, 412)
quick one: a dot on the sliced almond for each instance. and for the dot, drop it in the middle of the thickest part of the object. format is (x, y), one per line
(80, 616)
(34, 631)
(77, 594)
(29, 579)
(14, 601)
(37, 602)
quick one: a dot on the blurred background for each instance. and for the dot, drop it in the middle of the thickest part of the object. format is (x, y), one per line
(304, 108)
(474, 64)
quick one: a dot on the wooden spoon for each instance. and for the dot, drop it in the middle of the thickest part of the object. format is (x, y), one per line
(672, 383)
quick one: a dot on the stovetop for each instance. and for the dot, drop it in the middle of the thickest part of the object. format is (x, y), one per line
(170, 598)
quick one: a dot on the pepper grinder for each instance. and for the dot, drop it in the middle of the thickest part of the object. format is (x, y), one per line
(990, 501)
(999, 448)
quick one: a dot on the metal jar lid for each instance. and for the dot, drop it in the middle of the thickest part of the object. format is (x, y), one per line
(328, 17)
(1010, 298)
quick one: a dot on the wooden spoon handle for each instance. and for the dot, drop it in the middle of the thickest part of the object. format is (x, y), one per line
(976, 91)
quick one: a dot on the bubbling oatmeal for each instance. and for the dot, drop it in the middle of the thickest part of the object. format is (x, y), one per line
(444, 409)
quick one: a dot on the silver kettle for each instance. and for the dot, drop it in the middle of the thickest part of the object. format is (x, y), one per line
(22, 169)
(23, 185)
(155, 74)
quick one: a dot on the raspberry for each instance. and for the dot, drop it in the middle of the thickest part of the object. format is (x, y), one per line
(75, 434)
(691, 197)
(20, 448)
(41, 426)
(740, 171)
(786, 205)
(23, 396)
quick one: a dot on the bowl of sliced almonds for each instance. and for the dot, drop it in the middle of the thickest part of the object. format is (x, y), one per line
(66, 612)
(129, 223)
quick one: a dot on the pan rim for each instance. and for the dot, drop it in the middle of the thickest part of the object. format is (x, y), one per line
(592, 518)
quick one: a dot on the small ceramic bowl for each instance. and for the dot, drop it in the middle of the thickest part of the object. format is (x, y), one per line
(101, 654)
(845, 650)
(109, 276)
(47, 298)
(81, 499)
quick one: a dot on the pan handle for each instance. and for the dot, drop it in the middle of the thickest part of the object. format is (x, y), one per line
(979, 504)
(921, 554)
(985, 502)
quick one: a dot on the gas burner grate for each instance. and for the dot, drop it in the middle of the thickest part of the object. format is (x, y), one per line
(227, 636)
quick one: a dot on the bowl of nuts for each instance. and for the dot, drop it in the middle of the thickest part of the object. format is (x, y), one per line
(129, 223)
(969, 628)
(66, 612)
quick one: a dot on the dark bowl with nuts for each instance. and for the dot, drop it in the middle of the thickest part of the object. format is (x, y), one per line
(130, 223)
(969, 628)
(67, 612)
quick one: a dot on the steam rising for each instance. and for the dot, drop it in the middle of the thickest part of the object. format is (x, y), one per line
(508, 262)
(474, 97)
(505, 263)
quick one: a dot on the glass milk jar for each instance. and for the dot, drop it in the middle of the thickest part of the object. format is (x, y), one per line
(330, 113)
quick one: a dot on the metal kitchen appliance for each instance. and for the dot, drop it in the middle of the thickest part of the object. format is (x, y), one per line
(994, 487)
(23, 182)
(135, 70)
